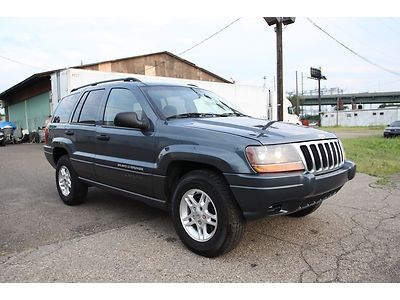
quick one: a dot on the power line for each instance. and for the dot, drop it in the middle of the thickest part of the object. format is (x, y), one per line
(198, 44)
(206, 39)
(354, 52)
(361, 28)
(21, 63)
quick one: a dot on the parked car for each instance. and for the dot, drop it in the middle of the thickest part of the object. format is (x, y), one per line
(182, 149)
(2, 138)
(7, 128)
(392, 130)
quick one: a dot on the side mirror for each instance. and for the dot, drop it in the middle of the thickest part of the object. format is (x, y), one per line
(130, 119)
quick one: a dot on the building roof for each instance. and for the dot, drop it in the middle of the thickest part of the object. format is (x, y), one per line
(35, 77)
(28, 81)
(157, 53)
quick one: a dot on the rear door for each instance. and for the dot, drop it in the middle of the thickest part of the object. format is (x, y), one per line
(82, 131)
(125, 156)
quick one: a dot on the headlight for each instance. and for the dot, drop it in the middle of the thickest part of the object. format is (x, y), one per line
(277, 158)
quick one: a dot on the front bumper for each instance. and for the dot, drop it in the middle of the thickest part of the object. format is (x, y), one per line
(260, 195)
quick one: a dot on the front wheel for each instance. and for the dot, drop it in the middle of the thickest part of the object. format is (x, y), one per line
(69, 187)
(205, 215)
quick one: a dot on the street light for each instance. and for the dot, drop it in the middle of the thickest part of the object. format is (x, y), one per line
(317, 75)
(278, 21)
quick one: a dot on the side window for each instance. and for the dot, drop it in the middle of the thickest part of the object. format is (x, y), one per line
(64, 108)
(91, 107)
(78, 108)
(121, 100)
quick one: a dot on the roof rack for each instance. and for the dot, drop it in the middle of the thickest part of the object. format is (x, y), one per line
(191, 84)
(105, 81)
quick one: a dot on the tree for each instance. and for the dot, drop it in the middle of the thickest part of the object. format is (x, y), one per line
(293, 100)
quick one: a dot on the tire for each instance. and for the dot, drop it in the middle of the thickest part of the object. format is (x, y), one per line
(305, 212)
(2, 143)
(209, 205)
(69, 187)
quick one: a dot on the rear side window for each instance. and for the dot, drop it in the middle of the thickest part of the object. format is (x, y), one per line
(64, 108)
(90, 109)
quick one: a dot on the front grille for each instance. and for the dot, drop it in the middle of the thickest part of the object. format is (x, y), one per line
(321, 156)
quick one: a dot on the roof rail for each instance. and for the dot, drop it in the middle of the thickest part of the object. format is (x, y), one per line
(105, 81)
(191, 84)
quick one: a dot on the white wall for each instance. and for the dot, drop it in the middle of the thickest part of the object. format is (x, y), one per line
(364, 117)
(251, 100)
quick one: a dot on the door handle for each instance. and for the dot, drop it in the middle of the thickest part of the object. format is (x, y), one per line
(69, 132)
(103, 137)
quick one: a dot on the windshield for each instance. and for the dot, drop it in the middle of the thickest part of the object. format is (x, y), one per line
(180, 102)
(395, 124)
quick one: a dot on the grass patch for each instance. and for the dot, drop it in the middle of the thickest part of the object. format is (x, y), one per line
(353, 128)
(384, 181)
(375, 156)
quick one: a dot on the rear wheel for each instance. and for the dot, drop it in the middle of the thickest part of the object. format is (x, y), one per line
(205, 215)
(306, 211)
(69, 187)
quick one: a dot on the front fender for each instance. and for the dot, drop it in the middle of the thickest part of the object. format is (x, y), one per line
(221, 159)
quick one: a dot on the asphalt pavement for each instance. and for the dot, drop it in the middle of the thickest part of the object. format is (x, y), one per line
(353, 237)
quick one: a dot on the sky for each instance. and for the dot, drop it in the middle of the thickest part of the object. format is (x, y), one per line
(244, 51)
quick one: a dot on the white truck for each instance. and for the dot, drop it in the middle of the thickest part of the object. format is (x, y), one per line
(251, 100)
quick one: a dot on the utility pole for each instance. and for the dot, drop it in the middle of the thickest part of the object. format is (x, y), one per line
(279, 21)
(302, 92)
(279, 69)
(297, 97)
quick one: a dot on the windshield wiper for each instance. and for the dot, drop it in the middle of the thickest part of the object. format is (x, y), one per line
(190, 115)
(238, 114)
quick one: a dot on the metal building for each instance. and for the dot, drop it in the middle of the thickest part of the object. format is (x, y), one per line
(28, 103)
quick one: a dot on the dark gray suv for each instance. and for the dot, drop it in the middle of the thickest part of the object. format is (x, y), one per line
(183, 149)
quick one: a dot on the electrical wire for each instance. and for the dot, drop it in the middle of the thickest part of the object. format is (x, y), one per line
(354, 52)
(21, 63)
(356, 38)
(198, 44)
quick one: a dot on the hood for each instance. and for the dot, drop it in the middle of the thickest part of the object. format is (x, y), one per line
(276, 133)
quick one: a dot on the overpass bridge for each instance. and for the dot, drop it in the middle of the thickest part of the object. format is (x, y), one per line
(358, 98)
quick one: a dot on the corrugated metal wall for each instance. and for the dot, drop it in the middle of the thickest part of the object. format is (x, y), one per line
(30, 113)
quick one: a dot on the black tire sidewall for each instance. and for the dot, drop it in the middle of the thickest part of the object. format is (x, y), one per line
(71, 198)
(212, 246)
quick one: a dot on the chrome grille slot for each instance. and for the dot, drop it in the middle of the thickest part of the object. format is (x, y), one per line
(334, 154)
(307, 157)
(321, 156)
(317, 160)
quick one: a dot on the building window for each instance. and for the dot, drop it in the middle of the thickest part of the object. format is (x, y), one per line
(326, 116)
(374, 114)
(381, 113)
(348, 115)
(332, 115)
(356, 114)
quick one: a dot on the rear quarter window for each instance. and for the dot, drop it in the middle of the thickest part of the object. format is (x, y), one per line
(64, 109)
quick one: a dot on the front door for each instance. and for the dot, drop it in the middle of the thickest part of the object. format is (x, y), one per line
(124, 156)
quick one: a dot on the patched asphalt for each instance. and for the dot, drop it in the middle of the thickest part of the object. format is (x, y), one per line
(353, 237)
